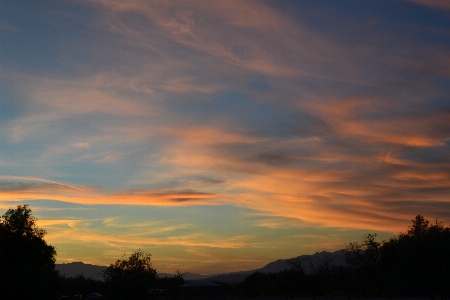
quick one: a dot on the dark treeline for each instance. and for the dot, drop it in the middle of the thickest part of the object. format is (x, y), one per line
(79, 285)
(415, 263)
(121, 288)
(294, 282)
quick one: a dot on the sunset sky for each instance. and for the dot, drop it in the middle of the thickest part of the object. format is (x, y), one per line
(222, 135)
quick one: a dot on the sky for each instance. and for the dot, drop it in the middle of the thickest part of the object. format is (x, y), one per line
(222, 135)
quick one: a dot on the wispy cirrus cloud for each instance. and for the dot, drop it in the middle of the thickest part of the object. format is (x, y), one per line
(337, 122)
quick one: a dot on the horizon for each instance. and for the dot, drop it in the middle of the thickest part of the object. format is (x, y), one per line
(212, 274)
(223, 135)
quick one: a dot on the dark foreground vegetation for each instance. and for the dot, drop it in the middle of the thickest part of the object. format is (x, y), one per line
(415, 263)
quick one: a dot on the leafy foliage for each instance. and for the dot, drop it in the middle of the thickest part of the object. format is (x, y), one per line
(27, 263)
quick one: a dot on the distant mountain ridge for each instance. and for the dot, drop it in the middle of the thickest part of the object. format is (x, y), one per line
(308, 263)
(74, 269)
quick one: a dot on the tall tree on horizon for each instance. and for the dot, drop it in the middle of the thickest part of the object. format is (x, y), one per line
(27, 262)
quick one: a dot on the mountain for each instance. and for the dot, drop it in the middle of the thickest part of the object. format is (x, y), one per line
(187, 276)
(230, 278)
(234, 277)
(308, 262)
(74, 269)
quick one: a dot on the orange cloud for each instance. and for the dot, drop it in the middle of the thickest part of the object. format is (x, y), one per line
(345, 117)
(356, 171)
(206, 136)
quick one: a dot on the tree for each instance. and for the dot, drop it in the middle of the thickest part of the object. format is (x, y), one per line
(365, 254)
(419, 227)
(363, 259)
(171, 284)
(296, 264)
(27, 263)
(418, 260)
(130, 278)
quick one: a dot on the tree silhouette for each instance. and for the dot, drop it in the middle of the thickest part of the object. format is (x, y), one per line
(27, 263)
(363, 259)
(364, 254)
(130, 278)
(419, 228)
(418, 261)
(171, 285)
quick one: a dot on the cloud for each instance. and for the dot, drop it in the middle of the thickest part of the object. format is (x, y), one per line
(68, 98)
(17, 190)
(136, 240)
(264, 106)
(17, 183)
(82, 145)
(277, 46)
(361, 118)
(350, 185)
(52, 223)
